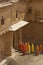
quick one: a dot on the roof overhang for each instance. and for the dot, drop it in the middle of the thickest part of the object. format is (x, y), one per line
(3, 31)
(41, 20)
(18, 25)
(5, 4)
(14, 1)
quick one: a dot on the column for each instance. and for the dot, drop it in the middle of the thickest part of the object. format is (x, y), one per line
(20, 31)
(15, 44)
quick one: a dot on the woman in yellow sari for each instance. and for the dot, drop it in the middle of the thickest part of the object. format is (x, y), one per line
(32, 48)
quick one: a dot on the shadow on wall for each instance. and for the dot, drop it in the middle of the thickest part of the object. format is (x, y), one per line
(33, 32)
(28, 14)
(22, 0)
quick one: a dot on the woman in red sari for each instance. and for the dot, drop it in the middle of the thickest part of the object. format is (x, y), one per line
(41, 48)
(24, 49)
(20, 46)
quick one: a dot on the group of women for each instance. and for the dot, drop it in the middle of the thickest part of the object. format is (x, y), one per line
(27, 48)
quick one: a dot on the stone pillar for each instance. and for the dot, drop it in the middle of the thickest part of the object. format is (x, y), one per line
(8, 43)
(20, 31)
(15, 44)
(1, 47)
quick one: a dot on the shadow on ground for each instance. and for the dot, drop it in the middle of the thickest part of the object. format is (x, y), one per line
(10, 61)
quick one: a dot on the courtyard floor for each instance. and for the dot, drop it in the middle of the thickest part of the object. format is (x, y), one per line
(19, 59)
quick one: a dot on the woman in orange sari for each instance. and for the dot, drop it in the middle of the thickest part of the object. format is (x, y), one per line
(28, 48)
(37, 49)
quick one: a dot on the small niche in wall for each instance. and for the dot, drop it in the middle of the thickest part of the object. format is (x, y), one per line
(16, 14)
(1, 51)
(2, 20)
(37, 15)
(30, 10)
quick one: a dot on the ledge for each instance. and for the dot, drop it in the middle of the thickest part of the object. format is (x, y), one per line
(5, 4)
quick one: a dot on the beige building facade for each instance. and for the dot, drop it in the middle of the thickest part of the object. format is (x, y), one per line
(34, 31)
(13, 12)
(5, 22)
(10, 13)
(7, 18)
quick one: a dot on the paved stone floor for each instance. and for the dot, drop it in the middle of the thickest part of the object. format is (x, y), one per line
(29, 60)
(18, 59)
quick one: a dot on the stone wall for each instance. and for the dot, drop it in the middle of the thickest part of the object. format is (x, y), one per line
(37, 6)
(6, 13)
(6, 41)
